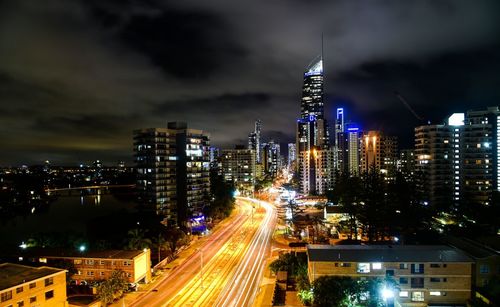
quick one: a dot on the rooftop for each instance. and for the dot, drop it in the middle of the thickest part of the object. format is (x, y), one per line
(386, 253)
(65, 253)
(12, 275)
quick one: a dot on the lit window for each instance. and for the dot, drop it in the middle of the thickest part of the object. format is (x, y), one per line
(363, 268)
(377, 266)
(403, 293)
(435, 293)
(417, 296)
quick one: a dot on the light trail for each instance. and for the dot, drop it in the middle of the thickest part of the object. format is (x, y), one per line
(243, 287)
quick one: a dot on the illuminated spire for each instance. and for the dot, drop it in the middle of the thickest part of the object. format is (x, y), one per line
(316, 68)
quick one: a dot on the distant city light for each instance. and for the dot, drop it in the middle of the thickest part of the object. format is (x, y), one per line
(82, 248)
(23, 245)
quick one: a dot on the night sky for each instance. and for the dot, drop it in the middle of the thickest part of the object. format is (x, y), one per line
(76, 77)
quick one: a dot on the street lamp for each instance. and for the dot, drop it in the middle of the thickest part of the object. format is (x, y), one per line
(388, 296)
(82, 248)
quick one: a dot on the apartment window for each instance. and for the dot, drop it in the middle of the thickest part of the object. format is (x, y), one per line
(33, 285)
(403, 266)
(89, 261)
(403, 293)
(435, 279)
(102, 273)
(437, 265)
(377, 266)
(389, 273)
(19, 290)
(49, 294)
(78, 261)
(417, 296)
(363, 268)
(417, 268)
(417, 282)
(32, 299)
(101, 262)
(343, 264)
(435, 293)
(484, 269)
(90, 273)
(49, 281)
(20, 304)
(403, 280)
(6, 296)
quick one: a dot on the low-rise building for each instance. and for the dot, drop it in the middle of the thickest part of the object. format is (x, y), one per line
(98, 265)
(22, 285)
(425, 275)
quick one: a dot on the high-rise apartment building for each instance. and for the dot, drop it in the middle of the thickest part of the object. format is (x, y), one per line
(434, 150)
(173, 167)
(379, 152)
(353, 145)
(238, 166)
(406, 164)
(458, 161)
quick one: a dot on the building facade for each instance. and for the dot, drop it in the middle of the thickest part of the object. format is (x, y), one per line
(173, 166)
(458, 161)
(22, 285)
(98, 265)
(424, 275)
(238, 166)
(378, 152)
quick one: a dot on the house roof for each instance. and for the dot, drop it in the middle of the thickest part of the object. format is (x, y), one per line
(66, 253)
(12, 275)
(386, 253)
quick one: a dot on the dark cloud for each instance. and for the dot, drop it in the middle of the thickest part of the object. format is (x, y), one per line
(76, 77)
(227, 104)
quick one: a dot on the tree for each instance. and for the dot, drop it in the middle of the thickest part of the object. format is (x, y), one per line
(302, 278)
(137, 239)
(161, 244)
(119, 282)
(334, 291)
(105, 293)
(175, 238)
(112, 287)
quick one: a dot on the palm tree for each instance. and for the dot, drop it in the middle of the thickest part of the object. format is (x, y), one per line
(137, 239)
(161, 244)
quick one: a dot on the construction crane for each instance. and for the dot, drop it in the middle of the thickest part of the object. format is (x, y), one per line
(407, 105)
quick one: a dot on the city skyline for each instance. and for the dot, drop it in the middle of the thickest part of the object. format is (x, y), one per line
(79, 77)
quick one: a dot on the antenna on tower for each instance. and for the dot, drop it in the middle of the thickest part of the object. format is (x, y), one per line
(321, 45)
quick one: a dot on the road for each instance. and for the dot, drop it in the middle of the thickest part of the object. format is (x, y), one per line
(233, 261)
(243, 286)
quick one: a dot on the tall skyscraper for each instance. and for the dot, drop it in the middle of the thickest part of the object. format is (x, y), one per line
(271, 158)
(312, 136)
(173, 167)
(255, 142)
(353, 140)
(339, 125)
(292, 154)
